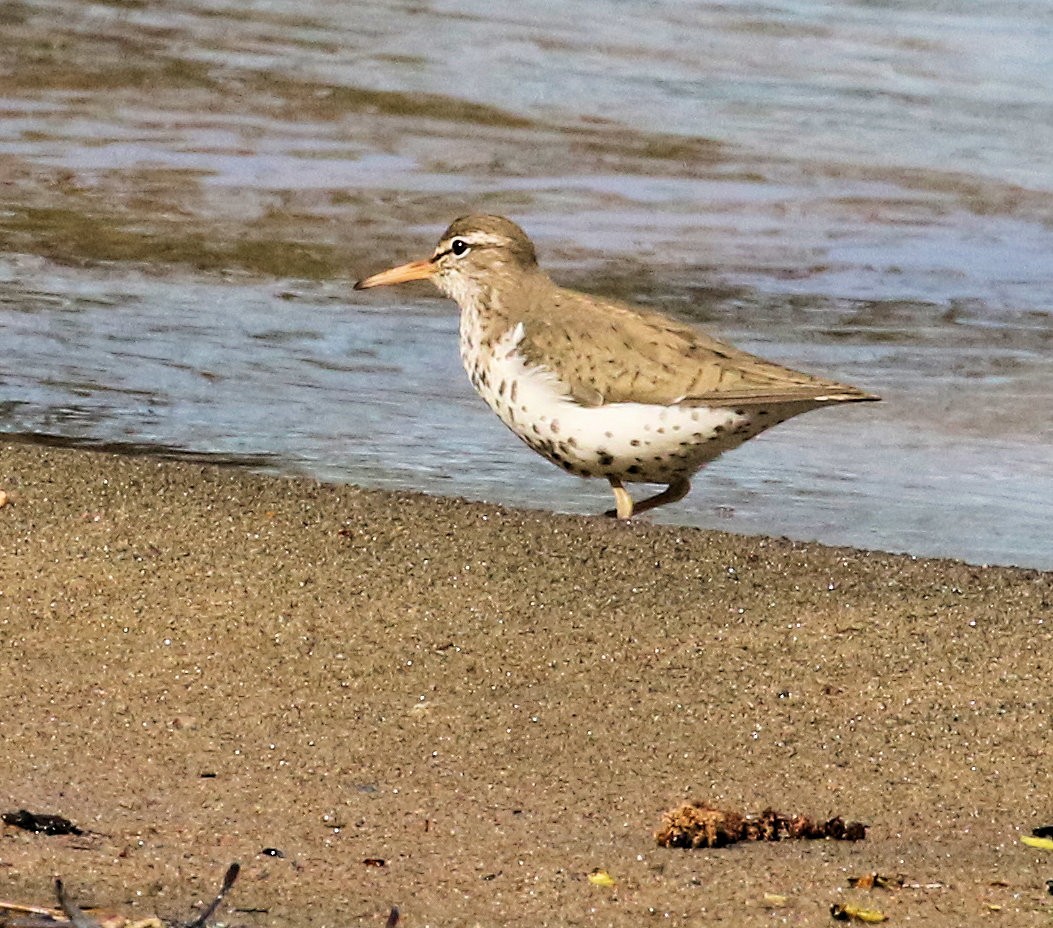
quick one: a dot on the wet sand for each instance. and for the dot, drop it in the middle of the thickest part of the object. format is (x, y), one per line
(201, 663)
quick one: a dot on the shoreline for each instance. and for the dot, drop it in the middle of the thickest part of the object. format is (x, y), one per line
(204, 662)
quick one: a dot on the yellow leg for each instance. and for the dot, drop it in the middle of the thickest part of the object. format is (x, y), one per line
(677, 490)
(622, 500)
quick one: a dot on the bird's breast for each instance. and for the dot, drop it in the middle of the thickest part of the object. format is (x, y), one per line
(640, 442)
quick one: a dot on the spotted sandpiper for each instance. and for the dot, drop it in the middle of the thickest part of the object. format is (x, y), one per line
(599, 387)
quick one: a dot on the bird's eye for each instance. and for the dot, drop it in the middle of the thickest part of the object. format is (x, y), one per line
(459, 246)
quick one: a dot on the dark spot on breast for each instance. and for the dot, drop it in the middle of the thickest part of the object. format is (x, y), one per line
(515, 390)
(635, 443)
(740, 412)
(554, 425)
(572, 441)
(717, 429)
(609, 434)
(633, 469)
(604, 458)
(501, 389)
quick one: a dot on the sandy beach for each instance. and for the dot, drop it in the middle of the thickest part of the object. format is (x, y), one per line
(201, 663)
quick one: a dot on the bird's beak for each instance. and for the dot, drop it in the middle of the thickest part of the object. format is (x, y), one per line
(415, 270)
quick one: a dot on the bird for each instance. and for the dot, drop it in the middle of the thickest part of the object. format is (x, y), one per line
(599, 387)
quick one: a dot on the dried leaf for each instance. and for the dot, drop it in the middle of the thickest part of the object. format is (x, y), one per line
(875, 881)
(1043, 844)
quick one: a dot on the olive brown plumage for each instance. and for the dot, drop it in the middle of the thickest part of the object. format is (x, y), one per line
(599, 387)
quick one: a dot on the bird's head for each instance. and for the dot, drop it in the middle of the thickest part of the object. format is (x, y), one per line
(475, 254)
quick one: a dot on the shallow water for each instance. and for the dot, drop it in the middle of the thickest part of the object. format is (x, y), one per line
(859, 189)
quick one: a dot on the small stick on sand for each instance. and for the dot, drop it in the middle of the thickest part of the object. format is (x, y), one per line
(73, 912)
(228, 880)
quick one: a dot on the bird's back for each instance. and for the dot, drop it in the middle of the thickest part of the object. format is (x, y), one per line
(610, 352)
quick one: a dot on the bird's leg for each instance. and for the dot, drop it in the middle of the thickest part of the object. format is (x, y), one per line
(622, 500)
(677, 490)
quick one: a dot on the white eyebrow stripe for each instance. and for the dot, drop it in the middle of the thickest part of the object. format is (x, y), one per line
(477, 238)
(474, 240)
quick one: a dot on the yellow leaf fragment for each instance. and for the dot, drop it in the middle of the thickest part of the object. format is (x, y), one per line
(1045, 844)
(850, 910)
(600, 877)
(775, 899)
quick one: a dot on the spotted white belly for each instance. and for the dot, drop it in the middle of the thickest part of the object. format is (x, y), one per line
(634, 442)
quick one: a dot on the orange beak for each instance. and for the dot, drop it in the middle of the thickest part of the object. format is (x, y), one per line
(415, 270)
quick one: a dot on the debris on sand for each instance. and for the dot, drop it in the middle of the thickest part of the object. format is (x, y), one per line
(601, 877)
(40, 823)
(876, 880)
(70, 915)
(228, 881)
(851, 912)
(698, 824)
(71, 910)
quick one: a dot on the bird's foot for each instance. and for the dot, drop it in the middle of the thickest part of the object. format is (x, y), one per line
(622, 499)
(677, 490)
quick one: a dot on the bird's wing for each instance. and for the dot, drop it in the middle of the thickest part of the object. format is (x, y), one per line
(609, 352)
